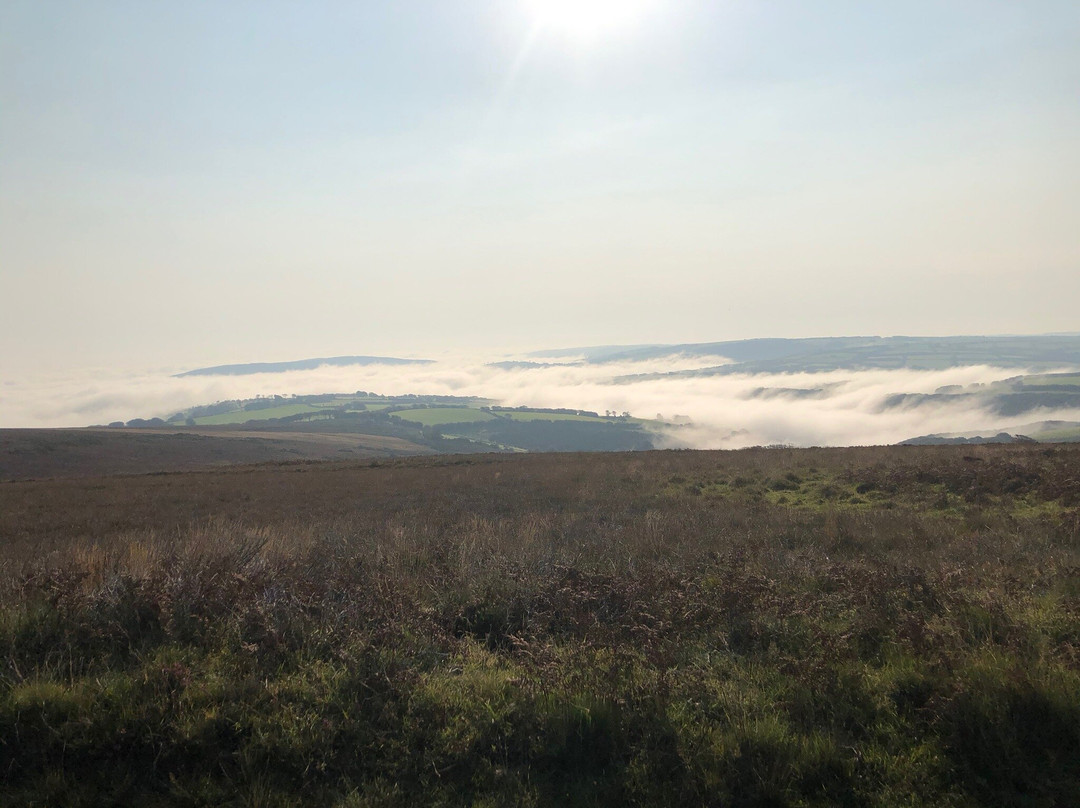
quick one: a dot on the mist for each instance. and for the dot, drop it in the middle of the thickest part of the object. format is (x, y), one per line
(838, 408)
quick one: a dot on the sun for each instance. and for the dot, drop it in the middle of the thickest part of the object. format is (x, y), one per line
(587, 20)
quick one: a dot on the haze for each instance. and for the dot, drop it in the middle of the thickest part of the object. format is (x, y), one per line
(185, 184)
(725, 413)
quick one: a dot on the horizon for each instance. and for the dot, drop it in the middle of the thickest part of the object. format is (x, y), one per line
(220, 357)
(821, 391)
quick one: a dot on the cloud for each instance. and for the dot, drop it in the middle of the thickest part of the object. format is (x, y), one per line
(729, 411)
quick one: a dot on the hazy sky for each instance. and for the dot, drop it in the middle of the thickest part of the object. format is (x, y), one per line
(188, 183)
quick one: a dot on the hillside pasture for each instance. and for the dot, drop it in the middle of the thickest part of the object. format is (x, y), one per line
(440, 416)
(527, 415)
(269, 413)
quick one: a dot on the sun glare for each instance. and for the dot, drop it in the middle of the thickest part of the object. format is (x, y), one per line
(588, 19)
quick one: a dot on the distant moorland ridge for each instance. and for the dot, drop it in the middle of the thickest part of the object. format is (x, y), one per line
(299, 364)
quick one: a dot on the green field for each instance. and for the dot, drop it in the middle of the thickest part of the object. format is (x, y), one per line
(1072, 380)
(547, 416)
(1067, 435)
(243, 416)
(295, 407)
(339, 401)
(438, 416)
(433, 411)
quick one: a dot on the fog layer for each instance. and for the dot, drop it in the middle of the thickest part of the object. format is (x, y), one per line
(803, 409)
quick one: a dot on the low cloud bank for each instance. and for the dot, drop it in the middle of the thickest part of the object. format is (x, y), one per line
(803, 409)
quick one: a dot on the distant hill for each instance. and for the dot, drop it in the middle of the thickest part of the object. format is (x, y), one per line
(512, 365)
(1037, 432)
(946, 440)
(1041, 352)
(363, 422)
(299, 364)
(601, 353)
(746, 350)
(815, 354)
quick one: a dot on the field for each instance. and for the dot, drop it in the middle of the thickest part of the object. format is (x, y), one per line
(404, 409)
(244, 412)
(440, 416)
(1065, 435)
(1065, 379)
(242, 416)
(546, 416)
(776, 627)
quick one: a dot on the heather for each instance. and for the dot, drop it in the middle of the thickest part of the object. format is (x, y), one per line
(767, 627)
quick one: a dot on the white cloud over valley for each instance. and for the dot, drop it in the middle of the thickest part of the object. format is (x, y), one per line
(725, 411)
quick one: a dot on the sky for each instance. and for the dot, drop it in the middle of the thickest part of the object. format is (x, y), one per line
(207, 182)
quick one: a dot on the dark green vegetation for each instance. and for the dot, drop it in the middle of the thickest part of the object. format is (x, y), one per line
(440, 424)
(557, 435)
(335, 429)
(296, 409)
(778, 627)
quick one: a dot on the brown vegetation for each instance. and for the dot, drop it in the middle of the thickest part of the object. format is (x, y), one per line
(43, 453)
(896, 626)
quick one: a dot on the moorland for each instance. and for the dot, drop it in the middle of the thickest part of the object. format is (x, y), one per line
(864, 626)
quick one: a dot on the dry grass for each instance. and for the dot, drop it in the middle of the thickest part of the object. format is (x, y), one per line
(887, 626)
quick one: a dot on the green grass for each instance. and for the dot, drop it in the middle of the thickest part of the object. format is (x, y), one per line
(1051, 378)
(547, 416)
(439, 416)
(518, 415)
(242, 416)
(952, 493)
(1059, 435)
(338, 401)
